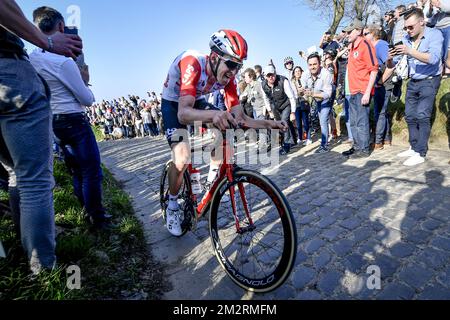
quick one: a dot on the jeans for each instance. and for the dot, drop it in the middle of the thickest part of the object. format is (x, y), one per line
(83, 158)
(420, 96)
(285, 116)
(302, 119)
(26, 152)
(347, 117)
(359, 122)
(324, 118)
(381, 102)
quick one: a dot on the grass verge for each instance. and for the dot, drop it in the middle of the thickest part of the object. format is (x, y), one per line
(113, 265)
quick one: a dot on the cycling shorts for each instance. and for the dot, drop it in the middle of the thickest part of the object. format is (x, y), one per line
(170, 119)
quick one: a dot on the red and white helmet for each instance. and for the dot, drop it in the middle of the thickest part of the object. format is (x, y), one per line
(230, 44)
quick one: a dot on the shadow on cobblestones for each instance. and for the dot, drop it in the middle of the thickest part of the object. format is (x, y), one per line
(350, 215)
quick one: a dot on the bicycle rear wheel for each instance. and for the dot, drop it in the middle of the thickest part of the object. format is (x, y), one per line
(261, 256)
(184, 199)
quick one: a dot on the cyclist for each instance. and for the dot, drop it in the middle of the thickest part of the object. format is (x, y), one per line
(191, 76)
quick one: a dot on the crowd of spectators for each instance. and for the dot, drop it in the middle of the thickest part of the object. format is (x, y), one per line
(124, 118)
(361, 69)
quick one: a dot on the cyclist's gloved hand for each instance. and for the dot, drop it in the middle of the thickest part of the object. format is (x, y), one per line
(281, 125)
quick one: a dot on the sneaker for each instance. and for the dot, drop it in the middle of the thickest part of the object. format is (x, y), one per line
(414, 160)
(285, 150)
(322, 150)
(407, 154)
(307, 142)
(387, 143)
(173, 222)
(348, 153)
(299, 142)
(360, 155)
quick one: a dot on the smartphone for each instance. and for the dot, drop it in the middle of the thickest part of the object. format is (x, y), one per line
(71, 30)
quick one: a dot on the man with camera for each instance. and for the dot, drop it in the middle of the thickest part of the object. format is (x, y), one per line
(25, 138)
(327, 42)
(423, 47)
(70, 95)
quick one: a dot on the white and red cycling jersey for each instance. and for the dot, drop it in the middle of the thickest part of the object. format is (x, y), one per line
(187, 77)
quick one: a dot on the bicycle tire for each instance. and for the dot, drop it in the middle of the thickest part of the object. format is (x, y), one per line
(186, 206)
(282, 268)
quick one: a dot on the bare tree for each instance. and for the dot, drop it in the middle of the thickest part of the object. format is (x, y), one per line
(337, 10)
(333, 11)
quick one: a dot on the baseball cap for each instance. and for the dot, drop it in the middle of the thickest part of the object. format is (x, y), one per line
(356, 24)
(269, 70)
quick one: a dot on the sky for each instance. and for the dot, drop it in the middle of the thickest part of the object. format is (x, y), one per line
(130, 45)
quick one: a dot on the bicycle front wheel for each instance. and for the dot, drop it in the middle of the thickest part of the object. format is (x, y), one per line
(259, 254)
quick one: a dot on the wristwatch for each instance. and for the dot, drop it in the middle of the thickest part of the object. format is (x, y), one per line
(50, 43)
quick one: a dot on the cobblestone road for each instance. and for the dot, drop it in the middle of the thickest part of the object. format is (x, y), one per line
(350, 214)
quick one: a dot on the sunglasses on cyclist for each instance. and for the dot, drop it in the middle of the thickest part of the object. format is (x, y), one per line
(233, 66)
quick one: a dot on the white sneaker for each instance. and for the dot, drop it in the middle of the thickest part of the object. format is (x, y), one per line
(299, 141)
(307, 142)
(173, 222)
(414, 160)
(407, 154)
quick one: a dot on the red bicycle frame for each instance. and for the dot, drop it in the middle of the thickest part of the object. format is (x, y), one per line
(226, 170)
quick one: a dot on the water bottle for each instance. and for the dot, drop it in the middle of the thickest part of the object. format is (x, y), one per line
(195, 182)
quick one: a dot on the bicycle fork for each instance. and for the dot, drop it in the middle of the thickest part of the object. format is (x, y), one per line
(239, 229)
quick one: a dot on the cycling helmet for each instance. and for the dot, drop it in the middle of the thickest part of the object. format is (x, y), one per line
(288, 60)
(230, 44)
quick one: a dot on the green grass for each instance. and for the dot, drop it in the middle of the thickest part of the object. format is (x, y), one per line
(440, 133)
(113, 265)
(98, 132)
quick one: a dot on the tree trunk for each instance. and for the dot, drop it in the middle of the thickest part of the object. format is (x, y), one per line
(360, 6)
(339, 11)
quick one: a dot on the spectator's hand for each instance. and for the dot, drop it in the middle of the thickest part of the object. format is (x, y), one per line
(292, 117)
(402, 49)
(68, 45)
(85, 74)
(366, 99)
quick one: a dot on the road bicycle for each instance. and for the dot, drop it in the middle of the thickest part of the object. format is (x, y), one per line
(251, 224)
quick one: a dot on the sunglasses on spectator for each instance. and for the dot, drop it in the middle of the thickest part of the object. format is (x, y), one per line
(410, 28)
(231, 65)
(270, 75)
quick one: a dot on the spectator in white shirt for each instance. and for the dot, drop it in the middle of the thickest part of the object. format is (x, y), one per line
(69, 96)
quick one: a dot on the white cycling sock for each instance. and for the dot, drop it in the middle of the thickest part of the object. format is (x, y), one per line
(173, 202)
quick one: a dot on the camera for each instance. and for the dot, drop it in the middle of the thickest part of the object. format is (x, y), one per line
(71, 30)
(345, 43)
